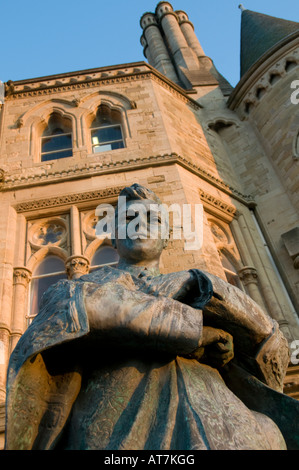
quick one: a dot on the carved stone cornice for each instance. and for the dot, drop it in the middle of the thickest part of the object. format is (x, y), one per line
(68, 199)
(217, 203)
(102, 168)
(76, 266)
(92, 78)
(21, 275)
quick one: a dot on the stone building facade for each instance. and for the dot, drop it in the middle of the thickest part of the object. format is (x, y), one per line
(72, 141)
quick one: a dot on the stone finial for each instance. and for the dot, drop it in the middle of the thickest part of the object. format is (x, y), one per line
(183, 17)
(163, 7)
(148, 19)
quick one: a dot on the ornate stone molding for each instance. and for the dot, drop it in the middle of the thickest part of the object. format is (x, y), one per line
(217, 203)
(22, 275)
(68, 199)
(94, 78)
(76, 266)
(101, 168)
(264, 74)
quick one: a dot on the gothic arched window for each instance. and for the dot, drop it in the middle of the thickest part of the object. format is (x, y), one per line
(56, 141)
(105, 255)
(106, 130)
(230, 272)
(49, 271)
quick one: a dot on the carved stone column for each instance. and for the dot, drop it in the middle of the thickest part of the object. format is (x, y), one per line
(188, 31)
(182, 54)
(77, 266)
(249, 278)
(154, 47)
(21, 279)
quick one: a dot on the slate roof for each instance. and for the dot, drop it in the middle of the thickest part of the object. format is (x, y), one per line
(259, 33)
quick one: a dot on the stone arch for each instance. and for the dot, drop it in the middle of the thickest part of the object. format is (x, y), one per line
(231, 258)
(114, 101)
(94, 246)
(36, 120)
(37, 257)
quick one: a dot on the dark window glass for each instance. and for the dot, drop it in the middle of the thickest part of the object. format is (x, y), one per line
(107, 134)
(56, 155)
(107, 138)
(56, 142)
(50, 270)
(104, 255)
(57, 145)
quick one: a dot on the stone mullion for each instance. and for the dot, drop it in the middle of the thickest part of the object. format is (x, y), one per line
(270, 289)
(76, 265)
(248, 274)
(75, 231)
(22, 277)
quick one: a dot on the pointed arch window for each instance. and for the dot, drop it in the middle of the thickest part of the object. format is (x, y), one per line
(231, 273)
(106, 130)
(56, 141)
(104, 256)
(49, 271)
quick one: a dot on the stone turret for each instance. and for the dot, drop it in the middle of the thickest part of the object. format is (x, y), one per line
(154, 47)
(172, 47)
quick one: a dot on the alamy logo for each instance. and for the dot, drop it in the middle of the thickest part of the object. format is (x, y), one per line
(137, 220)
(295, 94)
(295, 354)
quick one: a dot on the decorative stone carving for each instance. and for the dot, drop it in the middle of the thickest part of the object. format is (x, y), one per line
(45, 232)
(89, 224)
(77, 266)
(22, 275)
(100, 168)
(248, 275)
(219, 233)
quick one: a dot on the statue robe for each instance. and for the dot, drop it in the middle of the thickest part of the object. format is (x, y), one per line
(133, 382)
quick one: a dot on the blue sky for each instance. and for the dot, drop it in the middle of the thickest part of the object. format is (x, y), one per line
(45, 38)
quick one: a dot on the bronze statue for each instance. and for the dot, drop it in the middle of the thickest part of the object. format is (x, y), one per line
(127, 358)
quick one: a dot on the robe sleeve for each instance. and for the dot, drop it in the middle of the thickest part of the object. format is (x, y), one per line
(260, 346)
(123, 315)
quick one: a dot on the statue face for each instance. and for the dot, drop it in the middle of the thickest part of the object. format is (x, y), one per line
(140, 231)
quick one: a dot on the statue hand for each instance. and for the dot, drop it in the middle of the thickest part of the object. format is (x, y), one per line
(216, 348)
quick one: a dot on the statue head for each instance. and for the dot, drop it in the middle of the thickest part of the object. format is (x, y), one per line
(141, 226)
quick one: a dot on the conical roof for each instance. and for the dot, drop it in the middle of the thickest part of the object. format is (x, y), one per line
(259, 33)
